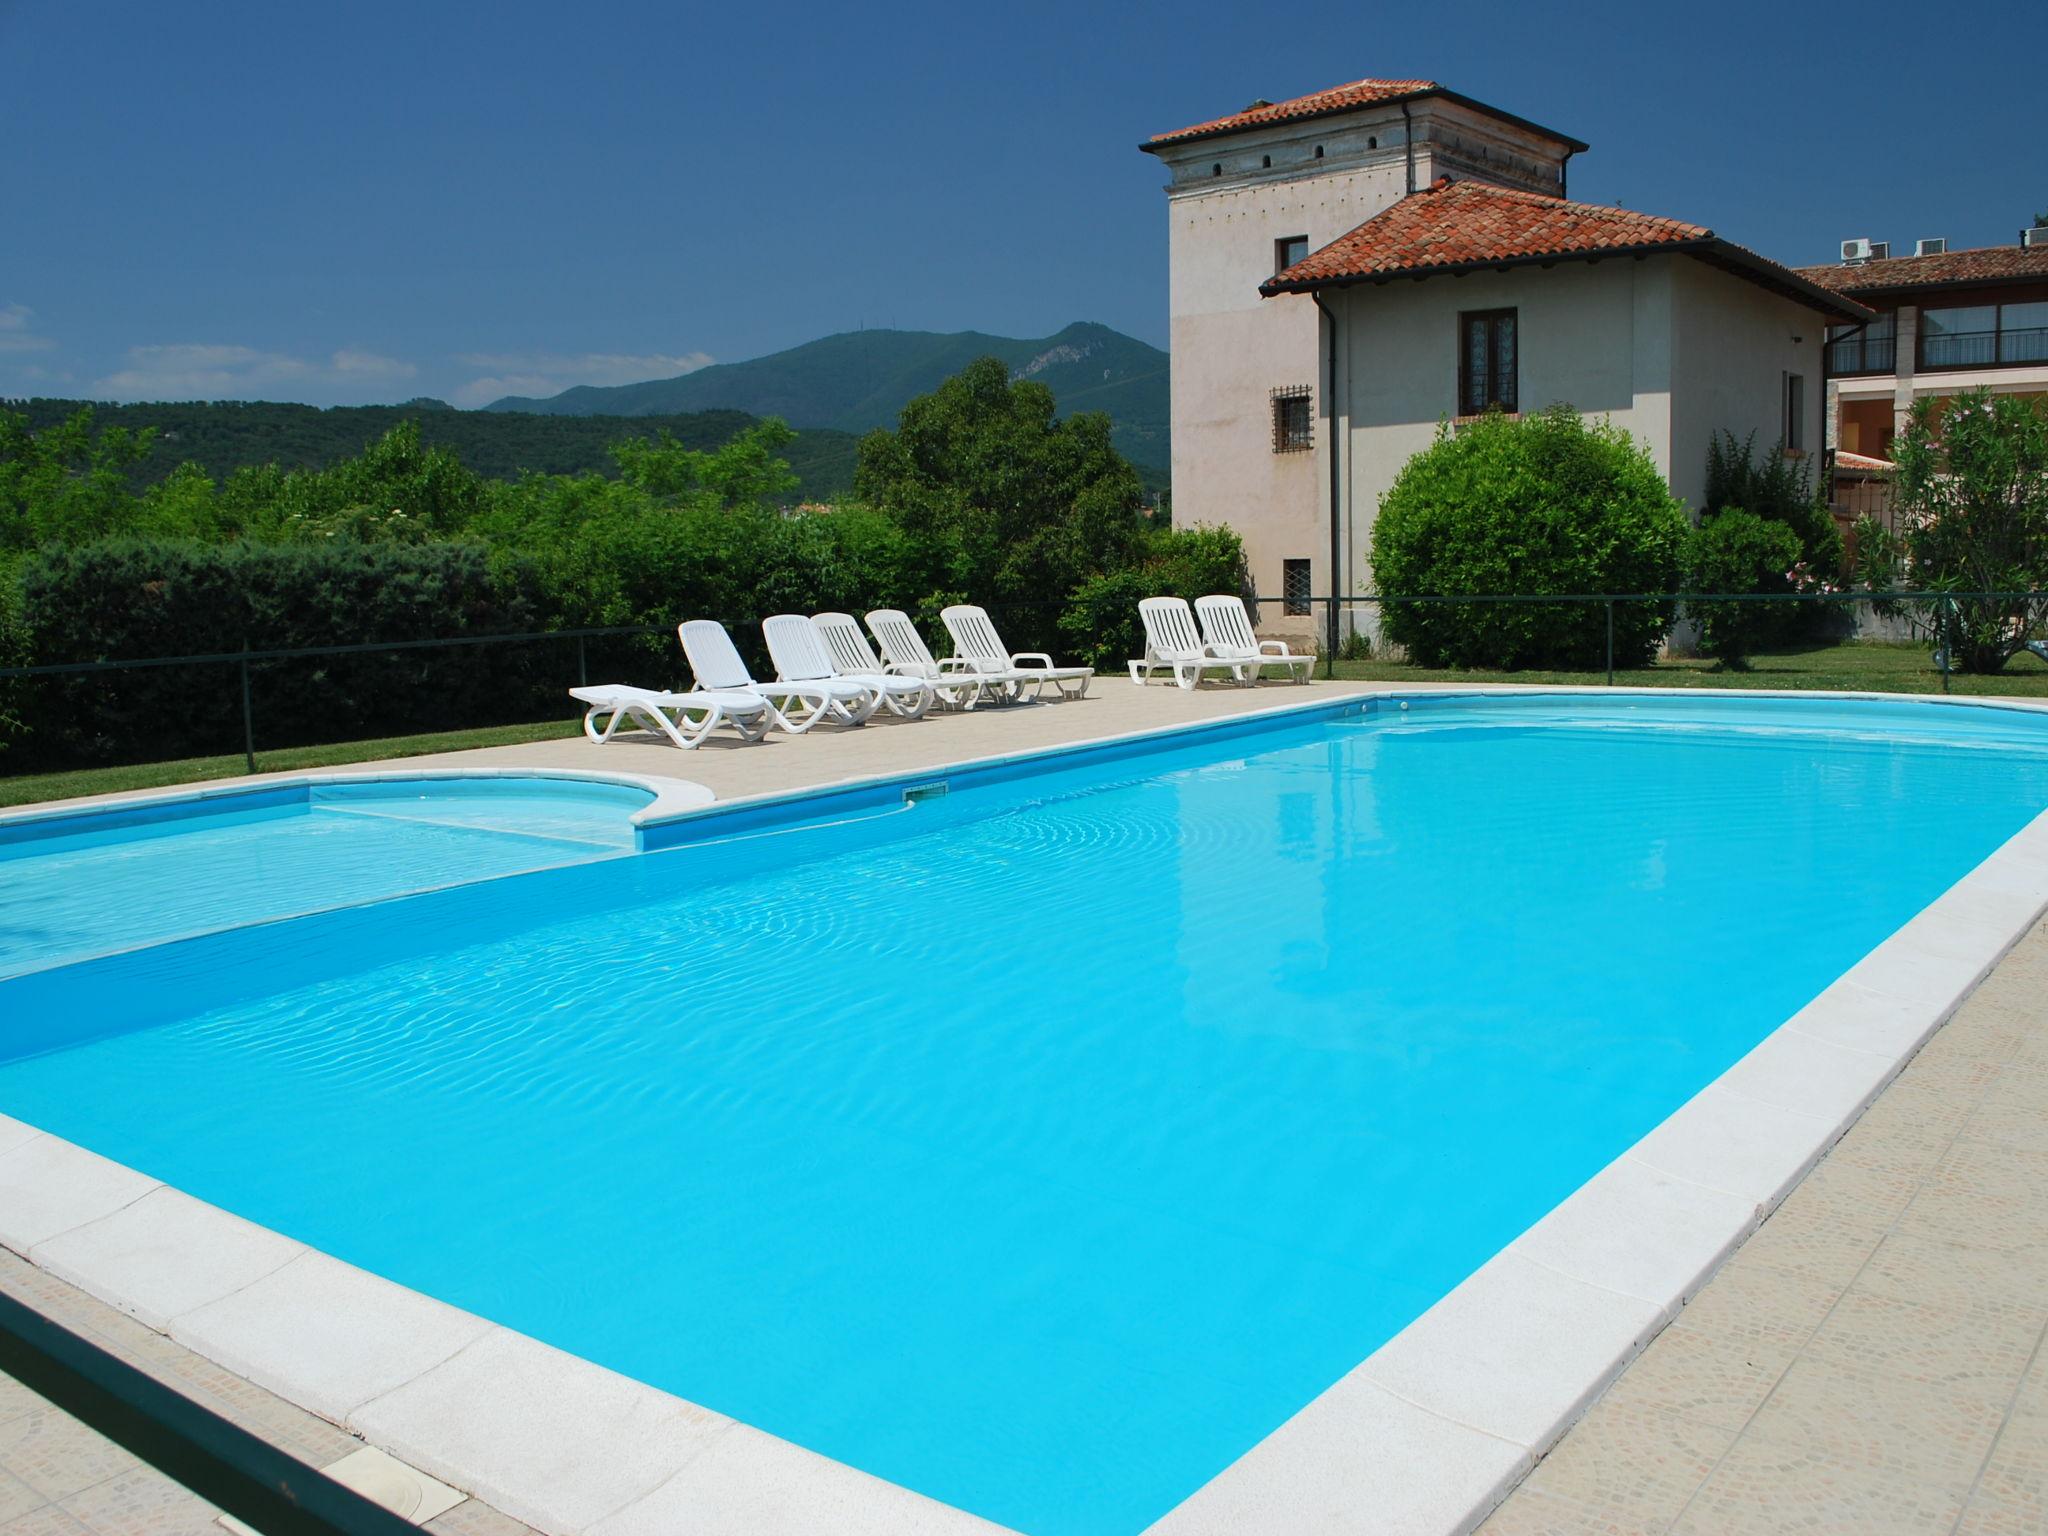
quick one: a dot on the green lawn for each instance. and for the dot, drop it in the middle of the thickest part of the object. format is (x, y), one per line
(24, 789)
(1865, 665)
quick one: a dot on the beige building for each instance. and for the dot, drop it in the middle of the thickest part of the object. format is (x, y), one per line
(1945, 321)
(1351, 268)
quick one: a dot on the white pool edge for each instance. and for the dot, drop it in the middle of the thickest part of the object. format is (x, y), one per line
(1426, 1435)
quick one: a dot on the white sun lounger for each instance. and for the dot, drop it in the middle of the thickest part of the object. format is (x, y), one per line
(718, 668)
(1172, 644)
(959, 682)
(670, 713)
(801, 655)
(976, 642)
(1228, 630)
(854, 656)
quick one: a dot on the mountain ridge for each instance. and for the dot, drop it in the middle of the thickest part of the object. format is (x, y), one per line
(854, 381)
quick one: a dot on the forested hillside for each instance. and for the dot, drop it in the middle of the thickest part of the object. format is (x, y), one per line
(222, 436)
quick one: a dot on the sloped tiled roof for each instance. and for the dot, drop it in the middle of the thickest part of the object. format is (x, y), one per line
(1844, 459)
(1986, 264)
(1339, 98)
(1463, 226)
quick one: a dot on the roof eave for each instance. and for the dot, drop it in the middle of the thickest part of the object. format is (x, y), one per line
(1154, 145)
(1710, 248)
(1936, 285)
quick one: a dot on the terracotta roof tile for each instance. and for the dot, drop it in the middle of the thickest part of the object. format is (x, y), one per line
(1987, 264)
(1460, 226)
(1338, 98)
(1470, 223)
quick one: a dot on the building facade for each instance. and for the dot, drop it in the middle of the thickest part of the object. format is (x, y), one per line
(1944, 322)
(1351, 269)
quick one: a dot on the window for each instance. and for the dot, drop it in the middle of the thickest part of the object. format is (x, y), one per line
(1863, 348)
(1959, 338)
(1265, 162)
(1287, 250)
(1795, 413)
(1294, 428)
(1294, 590)
(1486, 362)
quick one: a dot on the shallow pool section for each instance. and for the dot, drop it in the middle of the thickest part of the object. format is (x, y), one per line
(100, 879)
(1043, 1144)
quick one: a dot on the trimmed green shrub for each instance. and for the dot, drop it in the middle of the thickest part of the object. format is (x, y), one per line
(127, 599)
(1737, 551)
(1101, 624)
(1545, 504)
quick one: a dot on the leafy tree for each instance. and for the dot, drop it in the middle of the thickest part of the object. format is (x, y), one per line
(1971, 503)
(1778, 488)
(65, 481)
(1545, 504)
(1738, 551)
(999, 499)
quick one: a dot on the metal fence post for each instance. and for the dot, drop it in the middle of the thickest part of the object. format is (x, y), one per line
(248, 713)
(1610, 642)
(1945, 639)
(582, 663)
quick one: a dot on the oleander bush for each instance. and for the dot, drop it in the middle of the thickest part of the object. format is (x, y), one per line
(1547, 503)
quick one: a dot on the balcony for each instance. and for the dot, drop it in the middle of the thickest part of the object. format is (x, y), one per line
(1861, 354)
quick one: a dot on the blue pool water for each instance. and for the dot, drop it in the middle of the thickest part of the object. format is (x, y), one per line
(83, 884)
(1046, 1144)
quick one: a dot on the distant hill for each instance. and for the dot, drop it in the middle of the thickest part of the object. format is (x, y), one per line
(223, 435)
(859, 380)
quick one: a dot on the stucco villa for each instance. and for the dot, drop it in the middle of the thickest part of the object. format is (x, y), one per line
(1946, 321)
(1350, 268)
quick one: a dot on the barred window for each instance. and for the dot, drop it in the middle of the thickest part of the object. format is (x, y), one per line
(1487, 365)
(1294, 427)
(1294, 587)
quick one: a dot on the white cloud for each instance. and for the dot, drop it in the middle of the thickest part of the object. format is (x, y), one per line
(549, 373)
(16, 335)
(191, 371)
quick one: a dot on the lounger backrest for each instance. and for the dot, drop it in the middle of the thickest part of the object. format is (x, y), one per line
(1170, 628)
(1225, 624)
(713, 657)
(849, 647)
(974, 636)
(796, 648)
(900, 641)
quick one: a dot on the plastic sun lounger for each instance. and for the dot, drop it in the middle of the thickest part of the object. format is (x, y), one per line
(801, 655)
(854, 656)
(718, 668)
(670, 713)
(1172, 644)
(959, 684)
(1228, 630)
(978, 644)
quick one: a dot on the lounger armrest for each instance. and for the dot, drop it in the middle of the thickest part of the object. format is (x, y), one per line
(1274, 648)
(1031, 658)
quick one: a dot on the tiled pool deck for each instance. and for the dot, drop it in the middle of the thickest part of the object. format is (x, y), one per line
(1867, 1361)
(1872, 1359)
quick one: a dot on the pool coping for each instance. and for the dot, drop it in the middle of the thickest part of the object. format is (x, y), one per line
(1426, 1435)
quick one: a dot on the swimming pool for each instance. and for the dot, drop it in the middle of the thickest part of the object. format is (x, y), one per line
(80, 882)
(1042, 1144)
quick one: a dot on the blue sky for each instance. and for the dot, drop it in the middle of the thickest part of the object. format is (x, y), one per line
(358, 203)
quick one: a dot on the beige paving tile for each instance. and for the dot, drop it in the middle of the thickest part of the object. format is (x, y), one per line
(1985, 1194)
(473, 1518)
(1695, 1377)
(1877, 1424)
(16, 1400)
(1987, 1517)
(2016, 1473)
(47, 1521)
(1981, 1350)
(1941, 1271)
(142, 1503)
(1635, 1465)
(16, 1497)
(57, 1456)
(1814, 1239)
(1534, 1513)
(1762, 1488)
(1751, 1303)
(1867, 1186)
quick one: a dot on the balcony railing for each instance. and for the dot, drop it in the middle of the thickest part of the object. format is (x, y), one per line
(1861, 354)
(1984, 349)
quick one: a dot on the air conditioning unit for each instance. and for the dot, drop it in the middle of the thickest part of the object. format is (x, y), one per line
(1935, 247)
(1855, 250)
(2034, 239)
(1880, 250)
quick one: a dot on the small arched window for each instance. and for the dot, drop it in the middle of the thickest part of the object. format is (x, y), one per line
(1265, 162)
(1217, 169)
(1372, 143)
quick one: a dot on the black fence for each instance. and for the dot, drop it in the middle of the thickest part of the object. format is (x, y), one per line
(293, 697)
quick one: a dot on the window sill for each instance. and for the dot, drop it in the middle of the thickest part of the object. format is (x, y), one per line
(1466, 421)
(1793, 453)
